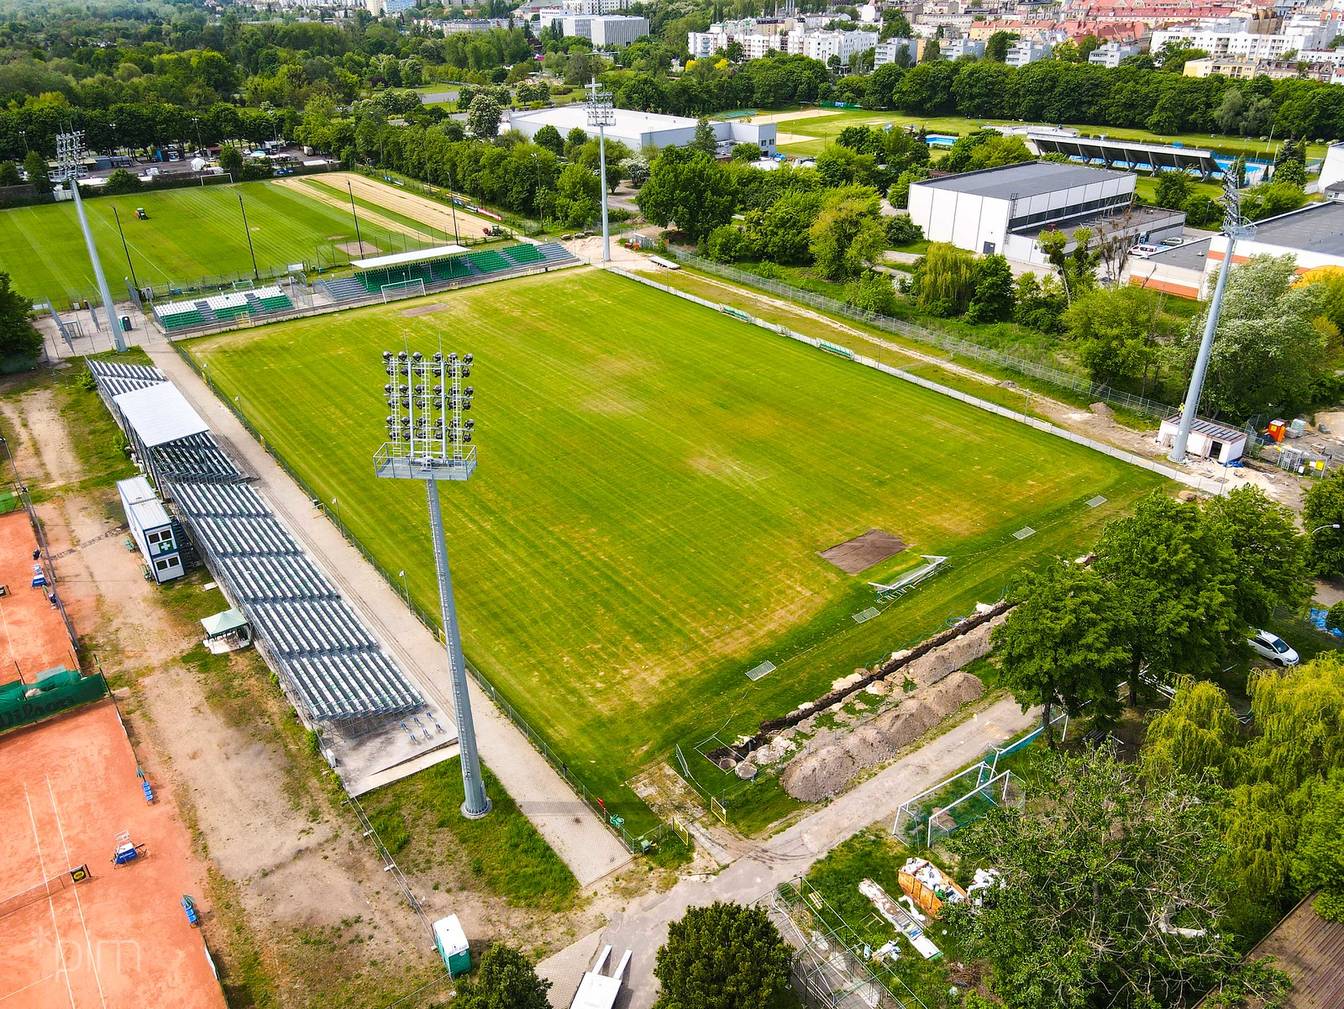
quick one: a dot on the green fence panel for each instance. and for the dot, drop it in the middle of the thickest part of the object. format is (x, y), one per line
(17, 710)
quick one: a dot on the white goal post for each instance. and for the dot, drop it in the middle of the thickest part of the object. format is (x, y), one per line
(402, 289)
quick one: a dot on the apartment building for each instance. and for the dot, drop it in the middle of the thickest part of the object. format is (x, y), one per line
(822, 45)
(1111, 54)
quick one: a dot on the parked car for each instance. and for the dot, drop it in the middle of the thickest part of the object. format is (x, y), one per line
(1274, 648)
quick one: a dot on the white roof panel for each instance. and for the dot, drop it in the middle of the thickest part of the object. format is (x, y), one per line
(597, 991)
(159, 414)
(416, 256)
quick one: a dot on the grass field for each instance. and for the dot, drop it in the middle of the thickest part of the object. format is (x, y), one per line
(191, 233)
(827, 124)
(655, 482)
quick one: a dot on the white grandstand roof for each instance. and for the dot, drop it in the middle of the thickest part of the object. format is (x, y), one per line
(398, 258)
(159, 414)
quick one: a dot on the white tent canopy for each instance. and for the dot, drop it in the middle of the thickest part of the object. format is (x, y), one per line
(159, 414)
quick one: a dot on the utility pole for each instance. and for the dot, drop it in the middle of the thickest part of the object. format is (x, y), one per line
(1235, 227)
(359, 242)
(70, 153)
(126, 249)
(256, 274)
(428, 440)
(602, 113)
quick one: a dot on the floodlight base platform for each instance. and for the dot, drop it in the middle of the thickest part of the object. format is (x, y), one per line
(469, 815)
(405, 467)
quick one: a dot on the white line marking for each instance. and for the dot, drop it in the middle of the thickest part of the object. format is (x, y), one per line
(79, 904)
(51, 905)
(34, 984)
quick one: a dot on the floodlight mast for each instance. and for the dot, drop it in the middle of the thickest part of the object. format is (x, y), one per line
(428, 440)
(602, 113)
(1236, 227)
(69, 153)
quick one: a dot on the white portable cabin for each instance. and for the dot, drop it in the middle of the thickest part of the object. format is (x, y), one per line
(598, 990)
(1207, 440)
(151, 528)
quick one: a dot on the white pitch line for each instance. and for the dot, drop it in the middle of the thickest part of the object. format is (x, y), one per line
(33, 984)
(79, 904)
(51, 905)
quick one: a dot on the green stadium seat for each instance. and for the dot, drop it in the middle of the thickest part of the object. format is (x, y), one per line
(489, 261)
(524, 255)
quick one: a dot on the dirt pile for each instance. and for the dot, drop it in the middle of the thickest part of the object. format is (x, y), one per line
(827, 767)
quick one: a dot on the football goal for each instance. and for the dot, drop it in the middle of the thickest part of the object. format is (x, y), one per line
(402, 289)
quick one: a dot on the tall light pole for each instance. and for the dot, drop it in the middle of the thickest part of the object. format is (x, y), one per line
(1236, 227)
(602, 113)
(69, 153)
(428, 440)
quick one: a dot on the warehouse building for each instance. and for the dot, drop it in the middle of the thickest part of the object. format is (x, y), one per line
(605, 31)
(1313, 235)
(1004, 210)
(638, 130)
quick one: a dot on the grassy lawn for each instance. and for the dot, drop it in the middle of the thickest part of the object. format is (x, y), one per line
(656, 480)
(828, 123)
(191, 233)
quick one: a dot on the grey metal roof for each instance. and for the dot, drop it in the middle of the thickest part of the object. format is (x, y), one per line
(1031, 178)
(1129, 151)
(1190, 256)
(1317, 227)
(1211, 428)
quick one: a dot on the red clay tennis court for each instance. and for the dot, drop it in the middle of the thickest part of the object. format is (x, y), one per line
(119, 939)
(32, 633)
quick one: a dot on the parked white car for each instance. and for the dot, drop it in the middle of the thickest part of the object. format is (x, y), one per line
(1274, 648)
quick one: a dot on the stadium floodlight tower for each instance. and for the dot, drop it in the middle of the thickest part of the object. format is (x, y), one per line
(428, 440)
(601, 113)
(1236, 227)
(69, 154)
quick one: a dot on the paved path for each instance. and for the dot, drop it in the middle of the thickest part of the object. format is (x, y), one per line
(643, 926)
(586, 846)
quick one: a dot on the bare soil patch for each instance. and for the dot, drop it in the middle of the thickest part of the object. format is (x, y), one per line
(436, 306)
(358, 248)
(862, 552)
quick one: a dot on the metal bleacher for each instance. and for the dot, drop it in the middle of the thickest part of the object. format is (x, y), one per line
(261, 301)
(343, 289)
(333, 665)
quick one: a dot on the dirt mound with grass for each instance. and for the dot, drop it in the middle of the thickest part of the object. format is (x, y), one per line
(832, 760)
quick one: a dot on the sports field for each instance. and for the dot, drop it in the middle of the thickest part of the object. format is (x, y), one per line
(656, 482)
(191, 233)
(807, 132)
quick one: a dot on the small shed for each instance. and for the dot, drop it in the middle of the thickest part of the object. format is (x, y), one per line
(451, 942)
(226, 632)
(152, 528)
(598, 990)
(1208, 439)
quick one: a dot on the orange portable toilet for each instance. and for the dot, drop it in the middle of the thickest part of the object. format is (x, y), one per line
(1277, 429)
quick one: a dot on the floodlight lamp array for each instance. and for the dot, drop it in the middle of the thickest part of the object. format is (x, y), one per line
(69, 151)
(426, 400)
(600, 105)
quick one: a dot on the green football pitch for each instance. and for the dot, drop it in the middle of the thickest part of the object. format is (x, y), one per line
(191, 234)
(655, 482)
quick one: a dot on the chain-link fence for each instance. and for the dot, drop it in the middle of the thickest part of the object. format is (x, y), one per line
(955, 345)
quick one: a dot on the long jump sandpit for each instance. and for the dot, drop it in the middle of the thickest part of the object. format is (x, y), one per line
(77, 931)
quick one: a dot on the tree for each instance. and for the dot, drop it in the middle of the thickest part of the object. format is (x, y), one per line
(992, 299)
(504, 979)
(575, 140)
(687, 186)
(1119, 332)
(549, 137)
(903, 231)
(18, 338)
(231, 161)
(996, 46)
(1228, 115)
(1195, 735)
(9, 174)
(1173, 189)
(945, 279)
(39, 175)
(1271, 198)
(121, 182)
(1318, 861)
(1173, 586)
(724, 956)
(747, 152)
(1076, 266)
(1271, 555)
(848, 234)
(1324, 506)
(1060, 644)
(483, 116)
(1273, 341)
(704, 137)
(577, 198)
(1099, 870)
(872, 292)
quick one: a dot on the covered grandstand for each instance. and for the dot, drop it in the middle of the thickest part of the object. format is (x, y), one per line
(441, 267)
(1130, 154)
(376, 724)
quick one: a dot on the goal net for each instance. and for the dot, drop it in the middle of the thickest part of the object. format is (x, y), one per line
(402, 289)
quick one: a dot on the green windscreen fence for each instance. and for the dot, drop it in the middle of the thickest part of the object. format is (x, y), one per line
(53, 692)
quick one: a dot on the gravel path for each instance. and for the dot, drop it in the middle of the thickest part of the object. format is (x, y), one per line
(642, 927)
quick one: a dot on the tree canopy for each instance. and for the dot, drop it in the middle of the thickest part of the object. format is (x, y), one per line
(723, 956)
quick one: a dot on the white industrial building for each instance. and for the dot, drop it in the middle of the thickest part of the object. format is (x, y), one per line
(1004, 210)
(1331, 181)
(1111, 54)
(638, 130)
(1313, 235)
(606, 31)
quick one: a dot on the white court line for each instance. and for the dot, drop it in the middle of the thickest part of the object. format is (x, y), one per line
(79, 904)
(51, 905)
(17, 991)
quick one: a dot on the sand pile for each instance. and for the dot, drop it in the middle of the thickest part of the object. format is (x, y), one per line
(828, 765)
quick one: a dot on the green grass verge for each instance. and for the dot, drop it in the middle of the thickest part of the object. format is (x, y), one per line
(655, 484)
(191, 234)
(420, 821)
